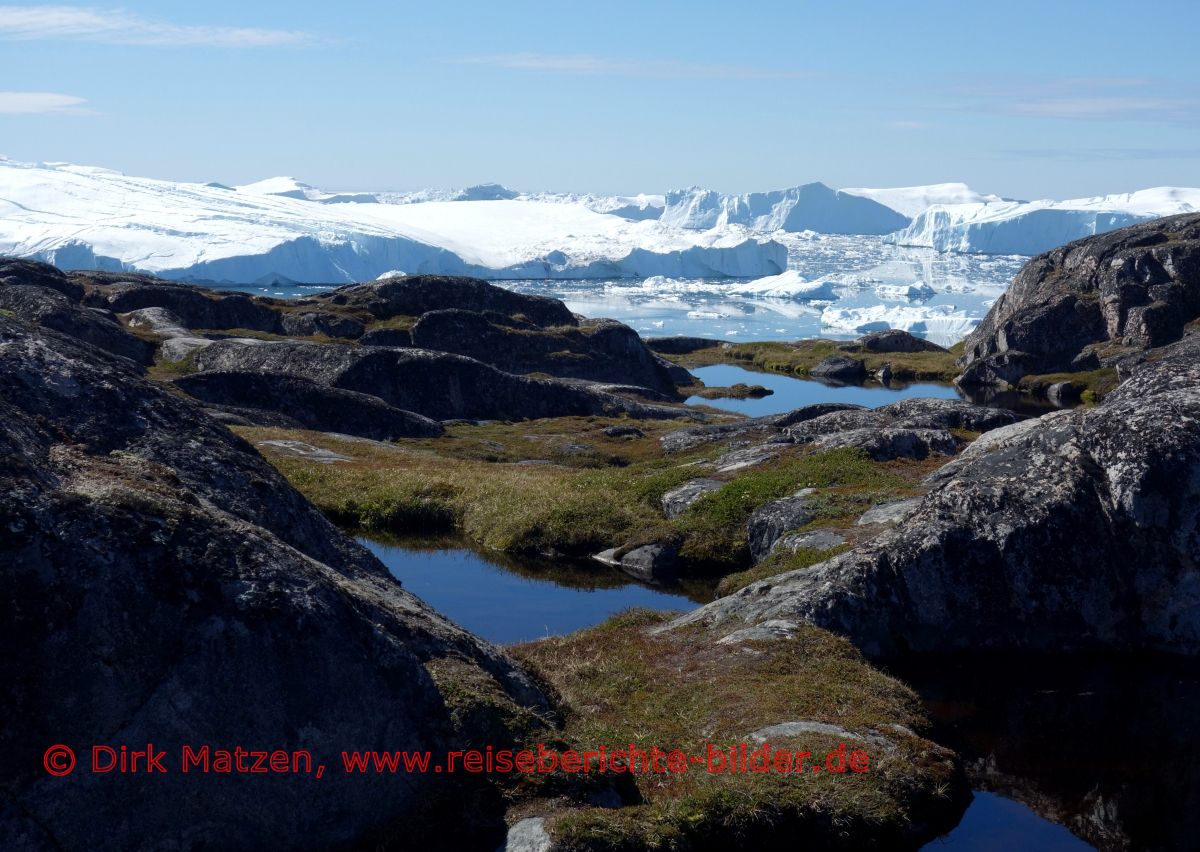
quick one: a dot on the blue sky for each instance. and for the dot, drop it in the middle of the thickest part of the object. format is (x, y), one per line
(1026, 99)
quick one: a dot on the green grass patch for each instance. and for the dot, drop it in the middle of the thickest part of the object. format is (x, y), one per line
(680, 690)
(713, 529)
(1092, 385)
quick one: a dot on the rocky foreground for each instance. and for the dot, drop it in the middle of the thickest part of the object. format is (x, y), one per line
(164, 582)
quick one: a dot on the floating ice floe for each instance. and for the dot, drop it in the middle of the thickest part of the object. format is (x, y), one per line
(915, 290)
(790, 284)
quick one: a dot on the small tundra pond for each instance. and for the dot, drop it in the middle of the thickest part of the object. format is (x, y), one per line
(506, 600)
(789, 393)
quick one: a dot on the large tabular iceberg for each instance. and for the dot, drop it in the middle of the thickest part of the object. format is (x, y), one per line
(812, 207)
(1032, 227)
(281, 229)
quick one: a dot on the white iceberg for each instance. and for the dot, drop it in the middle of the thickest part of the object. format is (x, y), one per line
(939, 322)
(1032, 227)
(911, 201)
(790, 284)
(812, 207)
(80, 217)
(915, 290)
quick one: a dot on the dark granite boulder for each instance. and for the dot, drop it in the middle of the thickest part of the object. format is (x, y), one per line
(164, 584)
(51, 309)
(839, 368)
(1130, 289)
(436, 384)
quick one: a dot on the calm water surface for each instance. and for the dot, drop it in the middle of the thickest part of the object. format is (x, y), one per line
(506, 600)
(790, 392)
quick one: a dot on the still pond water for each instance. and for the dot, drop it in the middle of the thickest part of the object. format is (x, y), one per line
(1107, 749)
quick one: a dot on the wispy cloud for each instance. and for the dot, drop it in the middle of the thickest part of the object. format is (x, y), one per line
(1137, 99)
(118, 26)
(32, 103)
(662, 69)
(1092, 154)
(907, 124)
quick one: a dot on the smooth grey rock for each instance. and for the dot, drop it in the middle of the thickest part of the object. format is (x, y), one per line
(839, 368)
(890, 513)
(767, 630)
(650, 563)
(746, 457)
(814, 540)
(891, 443)
(177, 348)
(769, 522)
(158, 320)
(674, 502)
(528, 835)
(304, 451)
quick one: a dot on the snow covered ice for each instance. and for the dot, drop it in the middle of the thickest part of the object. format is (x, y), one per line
(282, 229)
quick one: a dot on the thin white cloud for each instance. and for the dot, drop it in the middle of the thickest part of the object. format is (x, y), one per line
(1140, 99)
(1110, 108)
(663, 69)
(118, 26)
(907, 124)
(32, 103)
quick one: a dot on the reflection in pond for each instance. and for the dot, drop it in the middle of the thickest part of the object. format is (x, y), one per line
(505, 600)
(1108, 748)
(995, 824)
(790, 392)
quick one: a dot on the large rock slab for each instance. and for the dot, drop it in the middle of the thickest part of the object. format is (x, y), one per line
(435, 384)
(597, 350)
(307, 405)
(194, 306)
(48, 307)
(162, 583)
(771, 521)
(1078, 530)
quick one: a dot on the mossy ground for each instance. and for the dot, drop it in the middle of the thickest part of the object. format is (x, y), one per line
(588, 492)
(680, 690)
(1090, 385)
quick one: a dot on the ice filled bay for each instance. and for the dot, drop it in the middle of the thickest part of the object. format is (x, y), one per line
(836, 286)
